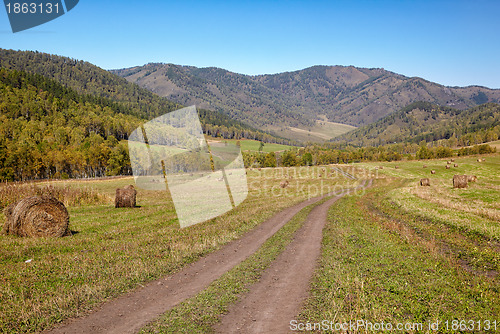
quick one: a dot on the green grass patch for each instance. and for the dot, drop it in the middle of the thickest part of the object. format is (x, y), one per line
(487, 170)
(253, 145)
(378, 268)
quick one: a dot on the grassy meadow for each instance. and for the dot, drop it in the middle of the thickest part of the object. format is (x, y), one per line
(111, 251)
(330, 129)
(397, 252)
(402, 253)
(321, 131)
(495, 144)
(253, 145)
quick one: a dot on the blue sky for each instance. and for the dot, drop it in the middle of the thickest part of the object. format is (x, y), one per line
(455, 43)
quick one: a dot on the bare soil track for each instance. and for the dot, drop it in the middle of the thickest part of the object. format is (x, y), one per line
(130, 312)
(277, 297)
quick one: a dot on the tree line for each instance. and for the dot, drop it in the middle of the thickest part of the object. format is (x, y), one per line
(325, 154)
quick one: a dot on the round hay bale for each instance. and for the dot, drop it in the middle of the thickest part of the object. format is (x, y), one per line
(126, 197)
(38, 217)
(396, 167)
(452, 160)
(447, 167)
(7, 211)
(448, 162)
(284, 184)
(455, 165)
(424, 166)
(381, 167)
(459, 181)
(471, 178)
(479, 160)
(433, 172)
(425, 182)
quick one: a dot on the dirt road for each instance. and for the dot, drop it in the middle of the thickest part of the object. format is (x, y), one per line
(277, 297)
(129, 313)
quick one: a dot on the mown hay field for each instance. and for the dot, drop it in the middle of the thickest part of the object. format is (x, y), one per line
(114, 250)
(475, 208)
(408, 254)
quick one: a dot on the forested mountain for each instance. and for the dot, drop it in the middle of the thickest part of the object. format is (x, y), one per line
(348, 95)
(236, 95)
(65, 118)
(78, 124)
(111, 90)
(424, 121)
(88, 79)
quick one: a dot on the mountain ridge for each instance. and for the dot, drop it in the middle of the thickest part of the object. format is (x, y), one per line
(124, 97)
(344, 94)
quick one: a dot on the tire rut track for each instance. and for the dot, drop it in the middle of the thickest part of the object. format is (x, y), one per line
(278, 296)
(132, 311)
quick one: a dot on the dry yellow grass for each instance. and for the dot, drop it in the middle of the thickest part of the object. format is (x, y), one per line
(116, 250)
(439, 194)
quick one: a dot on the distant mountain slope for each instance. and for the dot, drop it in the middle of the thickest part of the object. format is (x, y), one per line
(429, 122)
(348, 95)
(122, 96)
(238, 96)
